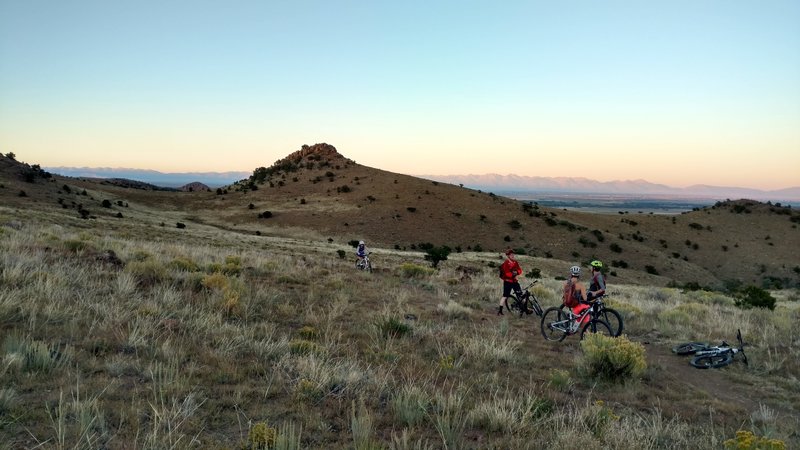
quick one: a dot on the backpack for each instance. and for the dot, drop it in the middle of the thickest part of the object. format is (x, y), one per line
(569, 295)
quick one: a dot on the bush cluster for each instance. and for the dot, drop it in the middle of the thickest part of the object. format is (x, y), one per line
(755, 297)
(612, 358)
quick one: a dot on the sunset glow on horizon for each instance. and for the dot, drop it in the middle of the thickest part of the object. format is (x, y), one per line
(677, 93)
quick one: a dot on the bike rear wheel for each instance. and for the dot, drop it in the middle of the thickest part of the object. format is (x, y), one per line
(596, 327)
(554, 324)
(712, 361)
(512, 305)
(689, 348)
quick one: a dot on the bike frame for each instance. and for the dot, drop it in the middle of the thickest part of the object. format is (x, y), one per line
(566, 326)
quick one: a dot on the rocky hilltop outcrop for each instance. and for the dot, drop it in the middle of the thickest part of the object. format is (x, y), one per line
(316, 152)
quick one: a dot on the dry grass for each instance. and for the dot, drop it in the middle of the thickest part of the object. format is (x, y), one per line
(205, 332)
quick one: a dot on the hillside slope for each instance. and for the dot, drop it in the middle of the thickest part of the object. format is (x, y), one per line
(318, 192)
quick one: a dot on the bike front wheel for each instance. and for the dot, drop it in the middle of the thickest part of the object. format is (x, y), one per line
(533, 303)
(613, 319)
(712, 361)
(554, 324)
(596, 327)
(689, 348)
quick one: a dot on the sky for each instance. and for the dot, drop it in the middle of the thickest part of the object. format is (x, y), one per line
(678, 92)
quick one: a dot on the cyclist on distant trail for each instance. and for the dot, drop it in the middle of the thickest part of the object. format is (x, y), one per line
(509, 271)
(361, 251)
(574, 296)
(597, 287)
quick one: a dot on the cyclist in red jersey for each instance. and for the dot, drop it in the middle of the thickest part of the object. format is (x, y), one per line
(509, 271)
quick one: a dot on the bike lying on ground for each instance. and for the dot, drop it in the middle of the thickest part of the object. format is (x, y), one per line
(524, 301)
(608, 315)
(707, 356)
(364, 263)
(558, 323)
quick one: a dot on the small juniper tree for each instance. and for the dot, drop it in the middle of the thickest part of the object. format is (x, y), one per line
(437, 254)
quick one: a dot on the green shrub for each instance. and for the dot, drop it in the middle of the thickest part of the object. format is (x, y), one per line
(183, 264)
(612, 358)
(615, 248)
(308, 332)
(755, 297)
(437, 254)
(148, 272)
(410, 270)
(303, 347)
(261, 436)
(393, 328)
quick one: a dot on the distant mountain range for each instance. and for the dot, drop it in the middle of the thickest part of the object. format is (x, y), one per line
(552, 185)
(172, 180)
(500, 184)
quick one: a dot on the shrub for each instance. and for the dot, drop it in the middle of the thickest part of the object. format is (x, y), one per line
(515, 224)
(148, 272)
(261, 436)
(651, 270)
(106, 203)
(303, 347)
(308, 332)
(612, 358)
(393, 328)
(180, 225)
(747, 440)
(410, 270)
(265, 215)
(755, 297)
(437, 254)
(183, 265)
(615, 248)
(341, 253)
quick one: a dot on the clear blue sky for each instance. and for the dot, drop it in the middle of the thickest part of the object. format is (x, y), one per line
(676, 92)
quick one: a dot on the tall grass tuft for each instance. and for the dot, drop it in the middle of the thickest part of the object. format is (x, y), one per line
(450, 419)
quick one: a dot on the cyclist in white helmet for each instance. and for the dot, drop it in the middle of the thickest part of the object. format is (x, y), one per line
(361, 251)
(574, 295)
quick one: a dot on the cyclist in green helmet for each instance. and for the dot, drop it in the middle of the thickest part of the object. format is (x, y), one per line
(597, 287)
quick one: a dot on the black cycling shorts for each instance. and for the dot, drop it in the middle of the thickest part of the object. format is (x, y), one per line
(508, 286)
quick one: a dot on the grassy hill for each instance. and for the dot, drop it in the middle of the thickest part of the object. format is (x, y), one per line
(130, 332)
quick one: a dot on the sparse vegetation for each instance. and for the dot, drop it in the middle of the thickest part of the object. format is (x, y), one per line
(216, 338)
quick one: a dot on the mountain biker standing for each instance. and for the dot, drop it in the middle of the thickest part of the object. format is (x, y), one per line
(574, 295)
(509, 271)
(361, 251)
(597, 287)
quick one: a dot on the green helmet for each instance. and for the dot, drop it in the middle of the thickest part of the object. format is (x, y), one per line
(597, 264)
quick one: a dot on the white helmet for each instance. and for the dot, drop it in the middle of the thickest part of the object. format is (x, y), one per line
(360, 242)
(575, 271)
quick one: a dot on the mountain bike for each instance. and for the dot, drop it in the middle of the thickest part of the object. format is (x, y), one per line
(524, 301)
(558, 323)
(707, 356)
(364, 263)
(608, 315)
